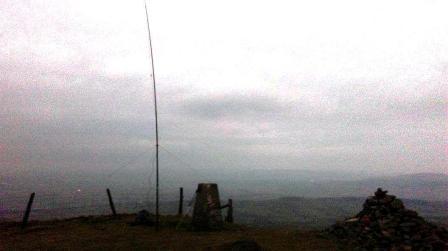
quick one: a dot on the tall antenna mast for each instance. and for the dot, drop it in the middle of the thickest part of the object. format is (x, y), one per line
(157, 125)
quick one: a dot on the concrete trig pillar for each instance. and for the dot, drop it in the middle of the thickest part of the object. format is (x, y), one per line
(207, 208)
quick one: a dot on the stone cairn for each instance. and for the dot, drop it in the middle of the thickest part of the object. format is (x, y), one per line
(385, 224)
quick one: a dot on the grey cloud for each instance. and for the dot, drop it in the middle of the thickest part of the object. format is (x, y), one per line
(60, 107)
(335, 105)
(353, 126)
(231, 106)
(103, 117)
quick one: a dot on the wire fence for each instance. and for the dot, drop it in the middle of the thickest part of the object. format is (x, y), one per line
(58, 206)
(50, 206)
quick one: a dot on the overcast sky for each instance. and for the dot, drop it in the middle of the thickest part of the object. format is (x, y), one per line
(344, 85)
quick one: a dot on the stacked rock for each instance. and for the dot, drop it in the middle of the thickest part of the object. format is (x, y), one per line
(385, 224)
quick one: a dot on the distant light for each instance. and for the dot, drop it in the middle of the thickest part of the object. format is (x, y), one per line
(79, 190)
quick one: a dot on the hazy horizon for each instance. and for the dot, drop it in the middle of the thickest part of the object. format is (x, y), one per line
(348, 86)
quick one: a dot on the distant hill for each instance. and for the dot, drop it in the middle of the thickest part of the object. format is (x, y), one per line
(272, 184)
(319, 213)
(424, 186)
(62, 190)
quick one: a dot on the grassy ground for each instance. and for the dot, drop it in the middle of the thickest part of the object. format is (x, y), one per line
(107, 233)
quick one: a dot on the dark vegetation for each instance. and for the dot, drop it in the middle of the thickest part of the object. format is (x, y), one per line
(109, 233)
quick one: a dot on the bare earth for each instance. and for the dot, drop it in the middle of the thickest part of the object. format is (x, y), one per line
(107, 233)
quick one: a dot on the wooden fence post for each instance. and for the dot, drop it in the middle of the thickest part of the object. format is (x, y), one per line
(229, 217)
(181, 201)
(111, 202)
(28, 211)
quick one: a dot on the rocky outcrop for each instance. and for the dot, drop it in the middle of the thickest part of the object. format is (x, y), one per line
(385, 224)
